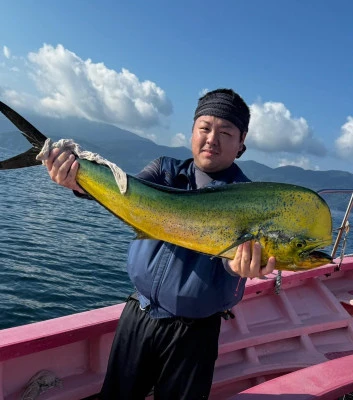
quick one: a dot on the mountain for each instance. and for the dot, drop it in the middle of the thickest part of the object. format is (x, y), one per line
(315, 180)
(128, 150)
(132, 152)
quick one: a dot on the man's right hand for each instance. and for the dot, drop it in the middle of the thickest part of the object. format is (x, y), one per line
(62, 168)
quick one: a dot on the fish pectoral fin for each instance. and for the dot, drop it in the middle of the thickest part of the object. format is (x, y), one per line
(241, 239)
(142, 235)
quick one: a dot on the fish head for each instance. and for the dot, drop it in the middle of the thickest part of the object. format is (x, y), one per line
(301, 228)
(306, 254)
(296, 252)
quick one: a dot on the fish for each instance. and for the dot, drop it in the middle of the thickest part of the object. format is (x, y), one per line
(292, 223)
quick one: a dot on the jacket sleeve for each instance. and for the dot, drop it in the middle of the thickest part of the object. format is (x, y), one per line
(152, 172)
(226, 266)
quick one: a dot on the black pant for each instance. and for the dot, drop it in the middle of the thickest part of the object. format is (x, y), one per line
(175, 356)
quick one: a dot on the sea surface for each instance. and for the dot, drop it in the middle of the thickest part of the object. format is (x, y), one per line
(59, 254)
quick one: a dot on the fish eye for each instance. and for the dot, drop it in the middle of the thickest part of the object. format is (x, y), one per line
(301, 244)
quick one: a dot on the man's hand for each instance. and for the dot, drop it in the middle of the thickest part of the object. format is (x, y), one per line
(247, 261)
(62, 168)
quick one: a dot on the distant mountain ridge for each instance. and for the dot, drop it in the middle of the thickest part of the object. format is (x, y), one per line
(315, 180)
(290, 174)
(132, 152)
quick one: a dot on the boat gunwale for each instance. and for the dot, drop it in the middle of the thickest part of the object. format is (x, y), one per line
(43, 335)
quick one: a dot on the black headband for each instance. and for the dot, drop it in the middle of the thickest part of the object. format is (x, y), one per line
(223, 105)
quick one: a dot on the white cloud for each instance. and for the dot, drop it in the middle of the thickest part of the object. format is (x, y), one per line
(152, 137)
(12, 97)
(70, 86)
(272, 129)
(203, 92)
(6, 51)
(302, 162)
(179, 140)
(344, 144)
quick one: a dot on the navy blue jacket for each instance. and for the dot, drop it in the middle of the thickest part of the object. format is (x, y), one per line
(175, 281)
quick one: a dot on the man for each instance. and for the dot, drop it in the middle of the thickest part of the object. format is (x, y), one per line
(167, 336)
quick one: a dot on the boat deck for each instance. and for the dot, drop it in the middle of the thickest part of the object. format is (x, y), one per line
(308, 323)
(325, 381)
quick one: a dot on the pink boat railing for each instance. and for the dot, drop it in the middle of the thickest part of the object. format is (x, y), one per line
(325, 381)
(309, 323)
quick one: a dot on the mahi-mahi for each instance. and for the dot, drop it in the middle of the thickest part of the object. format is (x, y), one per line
(290, 222)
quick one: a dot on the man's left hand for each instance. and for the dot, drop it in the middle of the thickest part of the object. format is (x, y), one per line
(247, 261)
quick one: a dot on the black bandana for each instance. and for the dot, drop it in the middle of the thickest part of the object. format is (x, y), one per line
(223, 105)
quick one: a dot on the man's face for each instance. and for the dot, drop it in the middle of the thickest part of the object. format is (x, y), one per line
(215, 143)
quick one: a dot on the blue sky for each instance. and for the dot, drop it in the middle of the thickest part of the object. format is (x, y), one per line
(142, 65)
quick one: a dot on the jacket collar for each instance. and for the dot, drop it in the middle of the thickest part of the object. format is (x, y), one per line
(186, 174)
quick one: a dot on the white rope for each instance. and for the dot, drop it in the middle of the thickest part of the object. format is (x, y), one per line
(68, 144)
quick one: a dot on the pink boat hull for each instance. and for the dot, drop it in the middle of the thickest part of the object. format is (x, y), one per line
(272, 346)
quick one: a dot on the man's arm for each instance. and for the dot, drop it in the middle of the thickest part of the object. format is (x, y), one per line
(152, 172)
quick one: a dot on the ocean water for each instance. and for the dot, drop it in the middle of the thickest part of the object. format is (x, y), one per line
(59, 254)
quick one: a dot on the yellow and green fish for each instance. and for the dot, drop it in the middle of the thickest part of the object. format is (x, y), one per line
(290, 222)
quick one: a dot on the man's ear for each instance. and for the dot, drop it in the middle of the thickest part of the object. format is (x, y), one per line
(241, 152)
(243, 147)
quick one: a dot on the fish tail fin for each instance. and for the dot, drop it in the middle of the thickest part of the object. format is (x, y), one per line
(26, 159)
(32, 134)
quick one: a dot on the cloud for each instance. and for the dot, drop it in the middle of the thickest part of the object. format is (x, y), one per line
(179, 140)
(70, 86)
(273, 129)
(12, 97)
(344, 144)
(152, 137)
(302, 162)
(202, 92)
(6, 52)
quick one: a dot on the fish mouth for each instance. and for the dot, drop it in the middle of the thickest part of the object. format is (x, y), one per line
(312, 259)
(316, 248)
(316, 256)
(320, 255)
